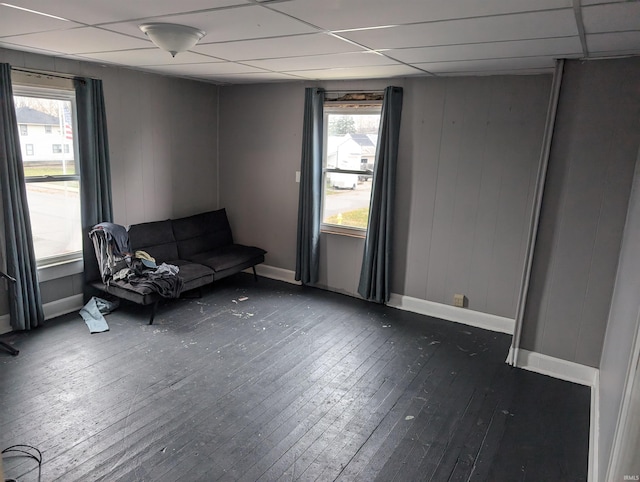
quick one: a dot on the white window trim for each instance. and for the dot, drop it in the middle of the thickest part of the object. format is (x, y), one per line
(70, 263)
(347, 107)
(60, 270)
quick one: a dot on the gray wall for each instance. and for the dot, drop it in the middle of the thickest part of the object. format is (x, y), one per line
(470, 149)
(162, 143)
(621, 329)
(467, 166)
(593, 154)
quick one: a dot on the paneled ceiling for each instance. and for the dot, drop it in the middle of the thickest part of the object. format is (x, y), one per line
(270, 40)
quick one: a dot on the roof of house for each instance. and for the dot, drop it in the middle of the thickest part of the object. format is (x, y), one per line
(27, 115)
(364, 140)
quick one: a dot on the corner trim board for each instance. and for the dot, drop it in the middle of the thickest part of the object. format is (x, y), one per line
(594, 430)
(452, 313)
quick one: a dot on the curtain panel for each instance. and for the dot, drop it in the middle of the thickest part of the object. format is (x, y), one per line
(25, 305)
(375, 274)
(309, 203)
(95, 169)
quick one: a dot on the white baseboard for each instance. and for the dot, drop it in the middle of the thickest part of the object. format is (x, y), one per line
(272, 272)
(557, 368)
(453, 313)
(51, 310)
(63, 306)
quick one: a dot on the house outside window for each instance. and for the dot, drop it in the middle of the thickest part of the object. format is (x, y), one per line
(351, 138)
(24, 131)
(51, 176)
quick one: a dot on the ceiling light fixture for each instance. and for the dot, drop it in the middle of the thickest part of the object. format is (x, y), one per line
(172, 37)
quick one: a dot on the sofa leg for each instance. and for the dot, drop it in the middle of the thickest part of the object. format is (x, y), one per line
(153, 312)
(255, 275)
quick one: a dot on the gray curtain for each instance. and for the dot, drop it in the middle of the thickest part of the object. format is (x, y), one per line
(375, 274)
(309, 203)
(25, 305)
(95, 171)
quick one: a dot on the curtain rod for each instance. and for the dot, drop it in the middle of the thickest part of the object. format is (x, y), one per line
(48, 74)
(357, 91)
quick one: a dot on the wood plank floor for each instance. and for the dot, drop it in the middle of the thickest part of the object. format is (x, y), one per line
(292, 383)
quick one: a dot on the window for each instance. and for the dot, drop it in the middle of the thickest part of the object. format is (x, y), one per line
(51, 176)
(351, 138)
(24, 131)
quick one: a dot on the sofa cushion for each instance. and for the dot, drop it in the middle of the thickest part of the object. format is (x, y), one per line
(201, 232)
(227, 257)
(156, 238)
(194, 275)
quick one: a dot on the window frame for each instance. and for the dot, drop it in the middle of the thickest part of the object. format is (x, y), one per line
(64, 94)
(369, 107)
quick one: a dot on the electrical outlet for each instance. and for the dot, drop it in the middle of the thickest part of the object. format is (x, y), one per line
(458, 300)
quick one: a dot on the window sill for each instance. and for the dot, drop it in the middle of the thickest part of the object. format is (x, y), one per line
(60, 270)
(343, 231)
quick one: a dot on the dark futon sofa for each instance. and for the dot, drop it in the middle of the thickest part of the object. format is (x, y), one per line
(201, 246)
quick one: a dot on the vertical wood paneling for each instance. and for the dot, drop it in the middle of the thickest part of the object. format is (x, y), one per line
(593, 154)
(260, 146)
(621, 331)
(485, 164)
(469, 147)
(162, 142)
(417, 180)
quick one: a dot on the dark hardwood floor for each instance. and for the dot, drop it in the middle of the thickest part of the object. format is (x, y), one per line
(290, 384)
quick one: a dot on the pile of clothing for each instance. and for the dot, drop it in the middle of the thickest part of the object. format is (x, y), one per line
(118, 264)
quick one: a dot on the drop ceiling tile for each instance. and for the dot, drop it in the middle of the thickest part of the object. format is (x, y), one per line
(595, 2)
(205, 70)
(503, 65)
(341, 14)
(38, 50)
(293, 46)
(614, 17)
(96, 12)
(250, 22)
(331, 61)
(560, 23)
(148, 56)
(556, 47)
(377, 72)
(251, 77)
(19, 22)
(79, 40)
(612, 43)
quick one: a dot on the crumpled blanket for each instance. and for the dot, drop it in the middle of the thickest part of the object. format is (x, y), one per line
(117, 235)
(165, 284)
